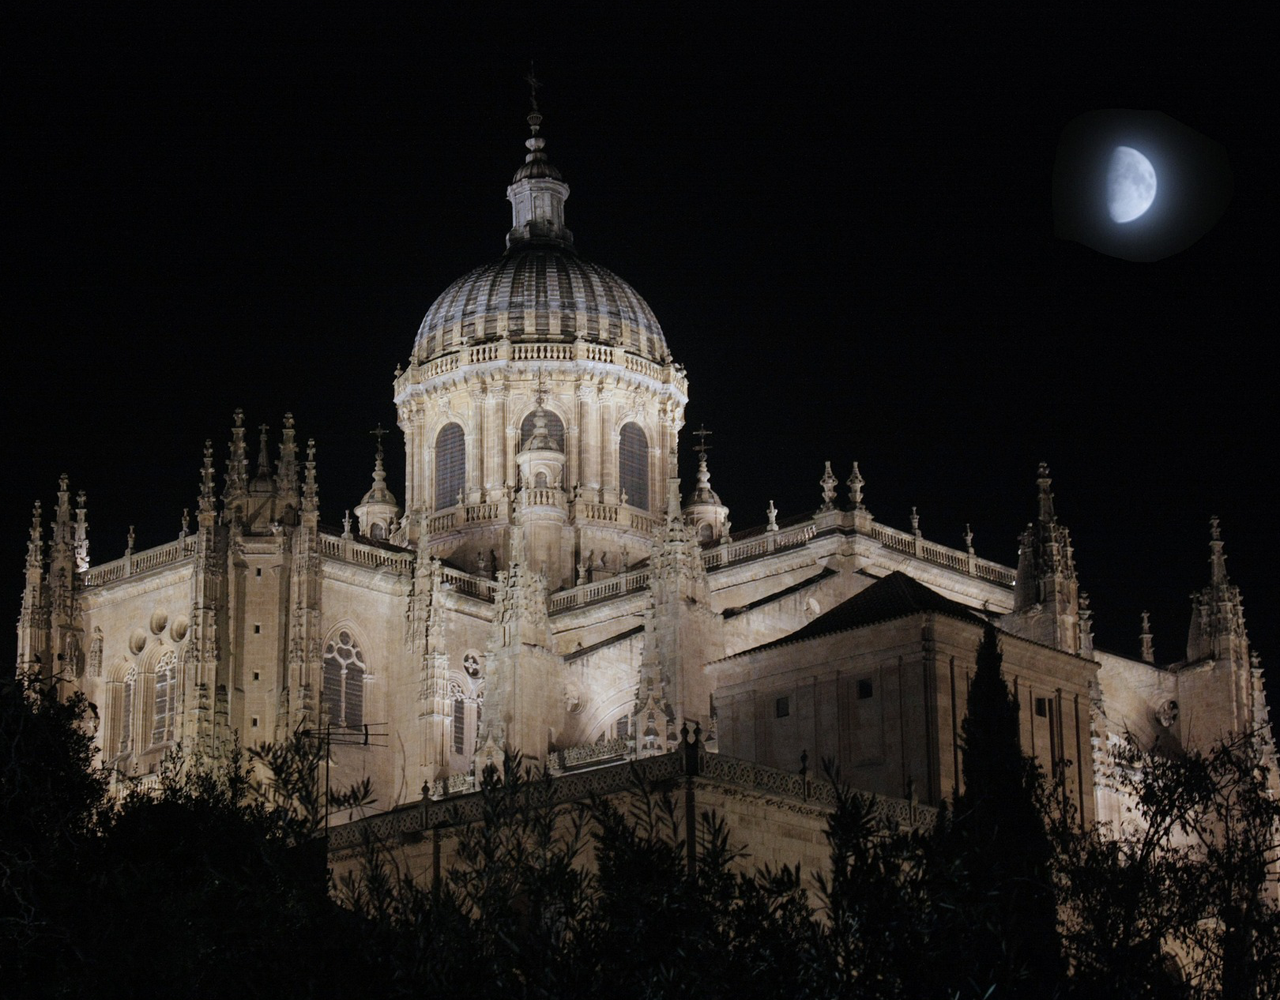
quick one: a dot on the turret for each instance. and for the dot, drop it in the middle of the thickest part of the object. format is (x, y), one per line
(1046, 598)
(537, 192)
(703, 512)
(1217, 612)
(378, 512)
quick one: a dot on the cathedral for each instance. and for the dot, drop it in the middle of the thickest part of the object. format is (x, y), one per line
(542, 581)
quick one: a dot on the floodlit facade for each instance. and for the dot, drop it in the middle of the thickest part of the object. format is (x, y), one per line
(545, 585)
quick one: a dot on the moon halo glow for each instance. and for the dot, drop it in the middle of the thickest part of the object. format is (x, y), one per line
(1131, 184)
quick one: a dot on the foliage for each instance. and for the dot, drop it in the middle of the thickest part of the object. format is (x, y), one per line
(218, 880)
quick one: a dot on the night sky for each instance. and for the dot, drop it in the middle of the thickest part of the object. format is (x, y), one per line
(844, 226)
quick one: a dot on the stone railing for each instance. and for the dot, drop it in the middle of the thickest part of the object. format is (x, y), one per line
(465, 583)
(599, 590)
(963, 562)
(587, 351)
(542, 497)
(351, 551)
(481, 353)
(642, 520)
(585, 510)
(134, 563)
(446, 520)
(642, 366)
(719, 557)
(439, 366)
(542, 352)
(590, 753)
(454, 802)
(474, 513)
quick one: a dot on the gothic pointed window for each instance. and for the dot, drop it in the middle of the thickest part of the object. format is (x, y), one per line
(555, 429)
(633, 465)
(165, 701)
(124, 735)
(342, 694)
(451, 465)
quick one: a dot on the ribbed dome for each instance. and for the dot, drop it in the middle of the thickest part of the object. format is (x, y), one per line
(540, 290)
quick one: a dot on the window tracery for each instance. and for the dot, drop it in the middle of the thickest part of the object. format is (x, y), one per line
(165, 701)
(343, 683)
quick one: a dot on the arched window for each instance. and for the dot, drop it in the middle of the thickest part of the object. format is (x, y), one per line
(468, 701)
(633, 465)
(344, 670)
(459, 726)
(124, 736)
(555, 429)
(451, 465)
(165, 703)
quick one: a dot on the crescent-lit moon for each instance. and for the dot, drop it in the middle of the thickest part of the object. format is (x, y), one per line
(1131, 184)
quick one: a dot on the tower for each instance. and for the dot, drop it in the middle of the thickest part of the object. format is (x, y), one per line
(540, 392)
(1046, 594)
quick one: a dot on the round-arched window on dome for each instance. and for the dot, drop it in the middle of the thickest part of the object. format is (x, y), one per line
(633, 465)
(451, 465)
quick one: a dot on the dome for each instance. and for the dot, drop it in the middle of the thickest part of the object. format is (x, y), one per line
(540, 290)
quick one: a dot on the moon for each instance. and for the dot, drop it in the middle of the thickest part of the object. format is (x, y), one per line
(1131, 184)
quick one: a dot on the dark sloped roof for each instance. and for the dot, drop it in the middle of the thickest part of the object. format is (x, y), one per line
(895, 596)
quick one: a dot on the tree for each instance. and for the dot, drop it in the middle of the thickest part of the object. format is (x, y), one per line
(996, 851)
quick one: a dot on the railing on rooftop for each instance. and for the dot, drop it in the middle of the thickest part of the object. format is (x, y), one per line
(134, 563)
(361, 554)
(599, 590)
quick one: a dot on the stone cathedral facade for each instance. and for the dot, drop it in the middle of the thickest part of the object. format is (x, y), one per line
(546, 585)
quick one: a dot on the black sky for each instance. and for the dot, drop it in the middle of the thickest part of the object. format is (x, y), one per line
(843, 224)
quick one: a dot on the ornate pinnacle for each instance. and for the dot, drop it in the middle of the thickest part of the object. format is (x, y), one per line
(206, 477)
(310, 490)
(771, 512)
(1217, 558)
(855, 483)
(828, 484)
(968, 537)
(1046, 496)
(915, 522)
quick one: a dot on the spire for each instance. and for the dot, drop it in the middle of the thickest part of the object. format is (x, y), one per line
(378, 511)
(703, 493)
(704, 510)
(262, 478)
(1148, 642)
(538, 191)
(1217, 612)
(1046, 601)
